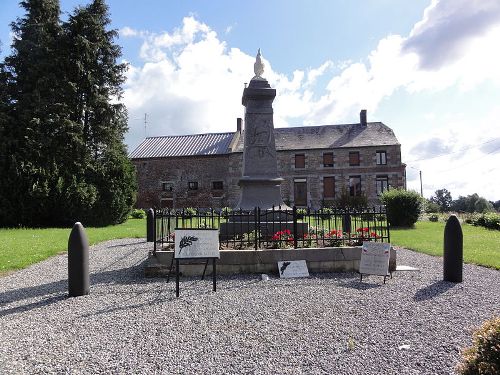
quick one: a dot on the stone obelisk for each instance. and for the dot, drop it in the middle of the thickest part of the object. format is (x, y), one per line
(260, 182)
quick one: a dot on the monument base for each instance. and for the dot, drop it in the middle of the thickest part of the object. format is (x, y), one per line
(261, 192)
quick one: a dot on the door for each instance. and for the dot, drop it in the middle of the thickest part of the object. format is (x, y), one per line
(300, 192)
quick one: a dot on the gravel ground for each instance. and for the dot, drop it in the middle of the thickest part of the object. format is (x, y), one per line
(326, 324)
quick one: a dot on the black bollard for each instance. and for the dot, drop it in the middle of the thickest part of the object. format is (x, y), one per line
(150, 226)
(78, 262)
(453, 250)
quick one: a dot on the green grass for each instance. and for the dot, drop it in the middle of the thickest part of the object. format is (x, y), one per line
(20, 248)
(481, 246)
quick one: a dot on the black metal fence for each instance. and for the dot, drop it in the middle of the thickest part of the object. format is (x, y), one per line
(276, 228)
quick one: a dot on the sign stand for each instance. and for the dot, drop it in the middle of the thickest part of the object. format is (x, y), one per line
(192, 244)
(177, 274)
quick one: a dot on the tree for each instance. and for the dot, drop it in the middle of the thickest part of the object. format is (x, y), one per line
(67, 161)
(30, 167)
(472, 203)
(94, 87)
(442, 198)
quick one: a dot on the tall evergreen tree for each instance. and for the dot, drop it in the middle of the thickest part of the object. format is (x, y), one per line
(33, 94)
(66, 157)
(94, 79)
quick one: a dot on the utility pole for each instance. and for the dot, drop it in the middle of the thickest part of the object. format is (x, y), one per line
(146, 124)
(421, 188)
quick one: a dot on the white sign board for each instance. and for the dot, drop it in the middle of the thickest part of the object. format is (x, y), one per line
(293, 268)
(375, 258)
(196, 243)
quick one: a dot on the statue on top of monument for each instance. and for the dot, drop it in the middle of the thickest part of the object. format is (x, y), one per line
(258, 66)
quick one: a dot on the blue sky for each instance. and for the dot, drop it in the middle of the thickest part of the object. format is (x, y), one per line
(425, 68)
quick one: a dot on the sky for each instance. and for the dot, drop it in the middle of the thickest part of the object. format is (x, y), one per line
(429, 69)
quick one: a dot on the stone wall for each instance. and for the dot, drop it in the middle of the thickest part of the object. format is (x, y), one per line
(179, 172)
(227, 168)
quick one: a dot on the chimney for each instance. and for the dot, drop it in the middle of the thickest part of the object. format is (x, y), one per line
(238, 124)
(362, 117)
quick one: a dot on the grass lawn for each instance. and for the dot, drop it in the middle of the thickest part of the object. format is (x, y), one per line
(21, 247)
(481, 246)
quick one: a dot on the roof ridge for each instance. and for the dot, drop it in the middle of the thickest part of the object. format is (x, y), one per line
(188, 135)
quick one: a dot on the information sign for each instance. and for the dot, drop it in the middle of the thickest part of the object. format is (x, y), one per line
(293, 268)
(375, 258)
(196, 243)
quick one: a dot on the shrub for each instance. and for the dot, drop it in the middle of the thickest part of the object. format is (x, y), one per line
(489, 220)
(433, 217)
(403, 207)
(484, 356)
(189, 212)
(226, 211)
(137, 214)
(301, 212)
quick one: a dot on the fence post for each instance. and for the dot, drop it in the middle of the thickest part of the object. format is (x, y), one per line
(155, 224)
(150, 217)
(453, 250)
(255, 226)
(294, 227)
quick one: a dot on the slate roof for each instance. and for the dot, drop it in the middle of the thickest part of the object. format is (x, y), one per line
(331, 136)
(183, 145)
(293, 138)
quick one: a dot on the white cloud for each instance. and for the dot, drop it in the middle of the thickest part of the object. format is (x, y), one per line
(191, 82)
(462, 158)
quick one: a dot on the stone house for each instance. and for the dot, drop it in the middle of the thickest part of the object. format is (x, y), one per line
(316, 162)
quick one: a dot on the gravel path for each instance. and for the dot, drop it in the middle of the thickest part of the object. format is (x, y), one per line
(327, 324)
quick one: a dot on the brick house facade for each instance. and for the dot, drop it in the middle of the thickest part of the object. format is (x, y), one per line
(316, 162)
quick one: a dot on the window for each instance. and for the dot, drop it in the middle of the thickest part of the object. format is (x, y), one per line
(300, 161)
(193, 185)
(353, 158)
(217, 185)
(328, 187)
(354, 186)
(381, 158)
(382, 184)
(167, 186)
(328, 159)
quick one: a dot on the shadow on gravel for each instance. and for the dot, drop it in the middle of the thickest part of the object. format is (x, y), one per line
(433, 290)
(124, 276)
(360, 285)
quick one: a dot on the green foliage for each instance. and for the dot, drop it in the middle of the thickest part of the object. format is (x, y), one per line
(489, 220)
(301, 212)
(64, 139)
(138, 214)
(346, 201)
(403, 207)
(472, 203)
(433, 217)
(442, 198)
(484, 355)
(431, 207)
(226, 211)
(189, 212)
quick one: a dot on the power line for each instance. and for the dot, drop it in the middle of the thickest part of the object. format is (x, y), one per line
(470, 161)
(454, 152)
